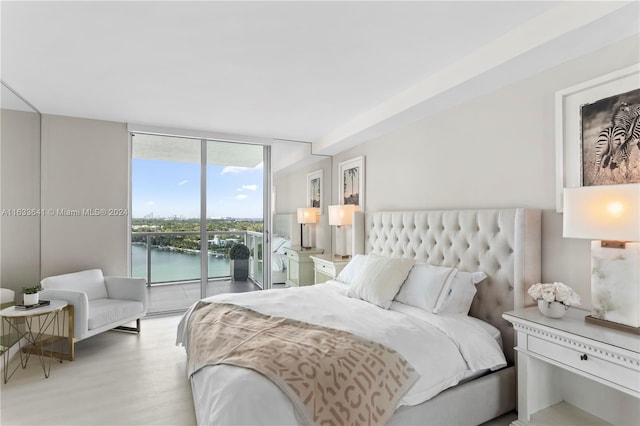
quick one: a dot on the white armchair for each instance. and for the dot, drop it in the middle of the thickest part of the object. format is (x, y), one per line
(7, 297)
(100, 303)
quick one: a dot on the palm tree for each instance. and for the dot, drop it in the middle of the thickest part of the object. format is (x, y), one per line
(315, 193)
(353, 172)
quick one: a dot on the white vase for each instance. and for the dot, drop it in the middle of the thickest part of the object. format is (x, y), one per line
(552, 309)
(31, 299)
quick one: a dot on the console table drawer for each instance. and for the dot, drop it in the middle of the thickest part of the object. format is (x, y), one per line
(584, 361)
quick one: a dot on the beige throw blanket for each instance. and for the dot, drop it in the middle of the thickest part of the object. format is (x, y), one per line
(331, 376)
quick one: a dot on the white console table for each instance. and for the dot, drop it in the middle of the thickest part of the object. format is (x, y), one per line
(574, 373)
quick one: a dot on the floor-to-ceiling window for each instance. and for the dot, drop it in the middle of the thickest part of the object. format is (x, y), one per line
(191, 200)
(234, 204)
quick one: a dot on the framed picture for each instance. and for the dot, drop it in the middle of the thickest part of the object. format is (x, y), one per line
(351, 182)
(608, 142)
(588, 134)
(314, 190)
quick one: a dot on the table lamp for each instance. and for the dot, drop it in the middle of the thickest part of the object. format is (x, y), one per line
(342, 217)
(307, 216)
(609, 214)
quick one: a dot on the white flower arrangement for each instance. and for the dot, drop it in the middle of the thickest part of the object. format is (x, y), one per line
(554, 292)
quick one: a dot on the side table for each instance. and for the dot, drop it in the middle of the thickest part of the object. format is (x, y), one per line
(37, 322)
(300, 265)
(326, 268)
(573, 372)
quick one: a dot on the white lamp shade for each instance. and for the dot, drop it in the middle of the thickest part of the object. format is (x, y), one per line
(342, 215)
(308, 214)
(606, 212)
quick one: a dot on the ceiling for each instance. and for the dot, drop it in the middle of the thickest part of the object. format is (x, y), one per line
(331, 73)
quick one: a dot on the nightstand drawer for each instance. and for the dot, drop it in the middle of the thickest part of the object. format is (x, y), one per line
(328, 269)
(586, 362)
(291, 254)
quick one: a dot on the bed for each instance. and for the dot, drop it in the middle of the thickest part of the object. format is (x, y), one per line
(504, 244)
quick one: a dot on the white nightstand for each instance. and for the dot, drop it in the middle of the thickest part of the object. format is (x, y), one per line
(300, 266)
(574, 373)
(326, 268)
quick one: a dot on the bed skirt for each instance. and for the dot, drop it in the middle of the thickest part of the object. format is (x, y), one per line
(470, 403)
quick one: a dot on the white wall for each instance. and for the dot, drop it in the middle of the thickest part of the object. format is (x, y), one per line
(84, 166)
(20, 190)
(494, 151)
(291, 193)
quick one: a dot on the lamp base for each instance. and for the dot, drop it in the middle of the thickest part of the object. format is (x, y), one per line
(615, 284)
(610, 324)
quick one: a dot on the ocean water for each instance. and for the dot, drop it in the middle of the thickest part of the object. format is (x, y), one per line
(174, 266)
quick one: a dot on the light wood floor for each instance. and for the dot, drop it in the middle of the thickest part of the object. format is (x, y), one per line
(116, 379)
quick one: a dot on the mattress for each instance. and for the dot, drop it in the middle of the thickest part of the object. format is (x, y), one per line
(444, 349)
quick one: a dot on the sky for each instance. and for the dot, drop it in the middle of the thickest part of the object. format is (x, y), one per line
(168, 189)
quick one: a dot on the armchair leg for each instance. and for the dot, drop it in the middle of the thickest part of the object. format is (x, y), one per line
(135, 329)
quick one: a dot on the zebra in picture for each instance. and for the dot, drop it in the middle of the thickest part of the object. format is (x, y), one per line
(622, 153)
(608, 142)
(613, 145)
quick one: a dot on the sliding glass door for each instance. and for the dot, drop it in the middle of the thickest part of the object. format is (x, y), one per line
(234, 210)
(192, 200)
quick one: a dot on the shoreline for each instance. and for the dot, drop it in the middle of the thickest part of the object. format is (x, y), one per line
(181, 250)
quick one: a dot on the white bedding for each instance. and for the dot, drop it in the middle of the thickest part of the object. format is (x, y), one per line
(443, 349)
(278, 262)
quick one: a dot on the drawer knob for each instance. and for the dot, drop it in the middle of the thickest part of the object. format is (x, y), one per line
(583, 357)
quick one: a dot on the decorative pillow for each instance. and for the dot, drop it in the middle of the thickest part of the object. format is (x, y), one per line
(278, 244)
(352, 270)
(423, 286)
(458, 293)
(380, 279)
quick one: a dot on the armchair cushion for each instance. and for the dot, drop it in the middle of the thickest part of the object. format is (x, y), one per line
(108, 311)
(127, 288)
(90, 282)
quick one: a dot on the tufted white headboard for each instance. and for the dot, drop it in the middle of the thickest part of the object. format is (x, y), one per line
(285, 225)
(503, 243)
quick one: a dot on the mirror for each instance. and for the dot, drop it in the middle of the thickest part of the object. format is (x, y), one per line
(19, 195)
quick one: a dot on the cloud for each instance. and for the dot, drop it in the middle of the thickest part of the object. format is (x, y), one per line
(250, 187)
(240, 197)
(238, 169)
(233, 169)
(150, 203)
(183, 182)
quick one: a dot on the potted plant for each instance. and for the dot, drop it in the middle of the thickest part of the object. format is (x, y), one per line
(31, 295)
(239, 255)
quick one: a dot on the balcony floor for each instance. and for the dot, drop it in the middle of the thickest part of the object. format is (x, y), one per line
(172, 297)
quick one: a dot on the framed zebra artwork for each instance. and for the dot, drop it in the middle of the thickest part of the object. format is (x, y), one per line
(598, 132)
(610, 131)
(315, 191)
(351, 182)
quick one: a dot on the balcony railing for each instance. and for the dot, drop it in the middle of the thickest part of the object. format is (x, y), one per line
(154, 258)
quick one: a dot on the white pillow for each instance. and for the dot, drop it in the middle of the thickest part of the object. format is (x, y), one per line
(380, 279)
(423, 286)
(352, 270)
(458, 293)
(279, 244)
